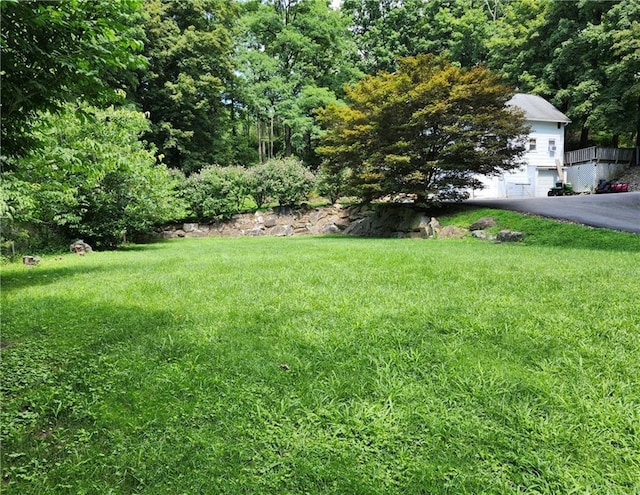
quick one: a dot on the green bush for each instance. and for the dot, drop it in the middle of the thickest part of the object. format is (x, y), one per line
(92, 178)
(333, 186)
(216, 193)
(285, 181)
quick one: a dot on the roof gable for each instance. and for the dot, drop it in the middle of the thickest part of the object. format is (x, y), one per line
(536, 108)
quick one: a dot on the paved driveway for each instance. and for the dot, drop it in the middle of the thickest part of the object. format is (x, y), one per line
(619, 211)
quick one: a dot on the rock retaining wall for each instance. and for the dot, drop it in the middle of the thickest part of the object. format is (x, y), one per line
(359, 220)
(390, 220)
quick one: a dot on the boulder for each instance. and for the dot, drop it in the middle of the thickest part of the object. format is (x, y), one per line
(510, 236)
(80, 247)
(451, 232)
(330, 228)
(431, 228)
(281, 230)
(270, 221)
(483, 223)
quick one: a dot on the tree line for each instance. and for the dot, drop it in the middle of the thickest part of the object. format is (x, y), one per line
(129, 91)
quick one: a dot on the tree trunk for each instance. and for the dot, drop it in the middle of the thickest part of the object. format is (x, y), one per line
(271, 139)
(259, 143)
(288, 149)
(638, 127)
(584, 137)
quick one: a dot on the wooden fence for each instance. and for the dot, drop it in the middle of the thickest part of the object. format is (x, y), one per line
(597, 155)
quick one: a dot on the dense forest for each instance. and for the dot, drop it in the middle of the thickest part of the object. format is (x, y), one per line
(120, 114)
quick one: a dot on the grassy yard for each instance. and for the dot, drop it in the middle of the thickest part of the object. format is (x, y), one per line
(327, 365)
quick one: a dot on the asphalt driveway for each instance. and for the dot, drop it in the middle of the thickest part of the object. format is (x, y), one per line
(619, 211)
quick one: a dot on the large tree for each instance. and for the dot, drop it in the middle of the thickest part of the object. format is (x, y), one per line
(426, 130)
(60, 51)
(389, 29)
(295, 55)
(186, 89)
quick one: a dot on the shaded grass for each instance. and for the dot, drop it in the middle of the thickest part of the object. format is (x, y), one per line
(327, 365)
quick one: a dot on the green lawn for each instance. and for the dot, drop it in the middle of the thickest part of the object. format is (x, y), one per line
(327, 365)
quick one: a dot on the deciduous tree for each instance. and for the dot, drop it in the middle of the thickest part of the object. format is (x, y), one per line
(425, 130)
(59, 51)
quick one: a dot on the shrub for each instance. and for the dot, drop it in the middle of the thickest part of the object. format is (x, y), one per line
(285, 181)
(333, 186)
(216, 193)
(92, 178)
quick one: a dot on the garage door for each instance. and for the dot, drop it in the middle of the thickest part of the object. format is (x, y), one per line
(545, 180)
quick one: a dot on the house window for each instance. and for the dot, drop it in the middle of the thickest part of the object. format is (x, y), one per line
(552, 145)
(532, 144)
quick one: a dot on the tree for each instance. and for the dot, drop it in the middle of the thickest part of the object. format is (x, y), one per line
(294, 55)
(91, 178)
(426, 130)
(186, 89)
(583, 56)
(390, 29)
(57, 51)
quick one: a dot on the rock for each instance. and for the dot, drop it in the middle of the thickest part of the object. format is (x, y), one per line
(31, 260)
(80, 247)
(270, 221)
(317, 215)
(479, 234)
(361, 227)
(281, 230)
(329, 228)
(256, 231)
(419, 223)
(510, 236)
(483, 223)
(189, 227)
(451, 232)
(431, 228)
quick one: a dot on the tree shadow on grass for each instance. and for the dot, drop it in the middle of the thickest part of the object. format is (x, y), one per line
(48, 274)
(60, 366)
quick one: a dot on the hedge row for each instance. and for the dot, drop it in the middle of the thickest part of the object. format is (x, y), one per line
(217, 193)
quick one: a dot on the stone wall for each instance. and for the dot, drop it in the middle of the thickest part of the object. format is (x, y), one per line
(390, 220)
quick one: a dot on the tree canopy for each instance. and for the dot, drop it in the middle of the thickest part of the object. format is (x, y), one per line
(59, 51)
(425, 130)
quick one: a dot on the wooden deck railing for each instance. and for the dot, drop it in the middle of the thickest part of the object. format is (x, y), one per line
(596, 154)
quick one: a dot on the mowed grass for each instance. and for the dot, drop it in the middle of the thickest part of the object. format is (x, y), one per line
(327, 365)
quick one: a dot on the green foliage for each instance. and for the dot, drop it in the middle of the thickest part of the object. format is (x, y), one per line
(333, 185)
(286, 181)
(58, 51)
(388, 30)
(292, 57)
(189, 47)
(216, 192)
(91, 178)
(425, 130)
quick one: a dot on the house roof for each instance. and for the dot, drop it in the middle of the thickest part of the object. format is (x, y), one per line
(537, 108)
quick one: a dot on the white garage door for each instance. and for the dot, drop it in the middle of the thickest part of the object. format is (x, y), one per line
(545, 180)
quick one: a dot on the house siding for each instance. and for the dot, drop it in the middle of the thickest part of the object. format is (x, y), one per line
(544, 133)
(540, 172)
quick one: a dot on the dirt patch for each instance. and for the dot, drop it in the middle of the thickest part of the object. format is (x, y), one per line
(632, 177)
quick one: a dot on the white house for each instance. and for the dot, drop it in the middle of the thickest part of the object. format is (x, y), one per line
(544, 156)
